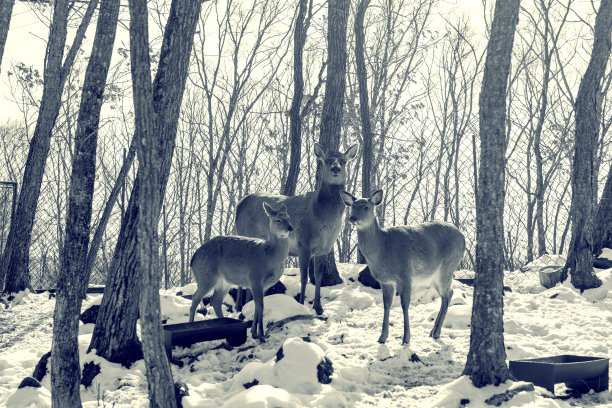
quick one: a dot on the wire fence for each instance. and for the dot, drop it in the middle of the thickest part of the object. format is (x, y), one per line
(425, 175)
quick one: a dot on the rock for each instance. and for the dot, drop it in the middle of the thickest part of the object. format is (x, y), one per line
(90, 315)
(180, 390)
(41, 367)
(29, 382)
(366, 278)
(90, 370)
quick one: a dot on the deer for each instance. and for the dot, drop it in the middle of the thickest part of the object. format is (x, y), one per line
(406, 258)
(317, 216)
(253, 263)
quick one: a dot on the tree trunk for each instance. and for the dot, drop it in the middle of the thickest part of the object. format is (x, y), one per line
(159, 374)
(96, 241)
(118, 342)
(16, 256)
(602, 234)
(486, 360)
(6, 11)
(588, 119)
(333, 102)
(295, 129)
(65, 367)
(364, 111)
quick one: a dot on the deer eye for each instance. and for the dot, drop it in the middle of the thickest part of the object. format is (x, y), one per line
(366, 207)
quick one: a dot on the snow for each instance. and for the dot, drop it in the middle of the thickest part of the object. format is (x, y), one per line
(538, 322)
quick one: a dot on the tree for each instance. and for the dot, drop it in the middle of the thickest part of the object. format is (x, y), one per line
(6, 11)
(295, 131)
(65, 367)
(584, 176)
(333, 105)
(364, 111)
(150, 158)
(118, 342)
(15, 259)
(602, 234)
(486, 360)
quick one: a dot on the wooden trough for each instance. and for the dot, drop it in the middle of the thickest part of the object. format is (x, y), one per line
(577, 372)
(185, 334)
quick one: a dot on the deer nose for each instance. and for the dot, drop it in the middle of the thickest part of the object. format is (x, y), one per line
(290, 228)
(352, 218)
(336, 170)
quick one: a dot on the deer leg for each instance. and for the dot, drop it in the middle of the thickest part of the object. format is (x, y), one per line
(239, 303)
(242, 300)
(445, 300)
(217, 300)
(257, 327)
(304, 258)
(195, 301)
(318, 277)
(388, 291)
(405, 298)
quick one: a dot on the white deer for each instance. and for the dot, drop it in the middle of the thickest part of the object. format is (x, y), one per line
(317, 216)
(248, 262)
(409, 257)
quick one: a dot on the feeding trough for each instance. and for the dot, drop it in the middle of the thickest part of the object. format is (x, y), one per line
(577, 372)
(185, 334)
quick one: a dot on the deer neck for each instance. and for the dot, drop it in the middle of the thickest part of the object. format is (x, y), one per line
(370, 239)
(280, 246)
(328, 200)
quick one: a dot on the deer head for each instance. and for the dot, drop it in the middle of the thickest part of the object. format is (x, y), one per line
(333, 164)
(362, 210)
(280, 223)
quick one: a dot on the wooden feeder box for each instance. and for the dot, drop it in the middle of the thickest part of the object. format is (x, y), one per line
(577, 372)
(185, 334)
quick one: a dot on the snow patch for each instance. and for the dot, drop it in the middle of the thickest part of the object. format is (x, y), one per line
(277, 307)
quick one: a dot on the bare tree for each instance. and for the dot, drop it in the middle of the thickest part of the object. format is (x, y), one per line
(486, 360)
(159, 375)
(15, 259)
(333, 107)
(584, 177)
(302, 22)
(114, 342)
(65, 367)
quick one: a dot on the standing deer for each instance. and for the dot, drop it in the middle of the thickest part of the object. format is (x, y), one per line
(249, 262)
(409, 257)
(317, 216)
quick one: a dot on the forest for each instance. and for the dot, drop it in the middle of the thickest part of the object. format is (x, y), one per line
(129, 138)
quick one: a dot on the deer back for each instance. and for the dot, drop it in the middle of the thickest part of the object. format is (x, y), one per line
(235, 258)
(316, 215)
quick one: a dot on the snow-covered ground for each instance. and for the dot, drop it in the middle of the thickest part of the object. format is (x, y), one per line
(538, 322)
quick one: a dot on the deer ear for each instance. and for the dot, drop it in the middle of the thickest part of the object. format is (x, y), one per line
(351, 153)
(270, 212)
(319, 152)
(377, 197)
(347, 198)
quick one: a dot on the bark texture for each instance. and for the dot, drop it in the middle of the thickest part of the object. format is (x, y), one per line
(295, 119)
(6, 11)
(584, 175)
(364, 112)
(602, 234)
(65, 368)
(333, 104)
(118, 342)
(486, 360)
